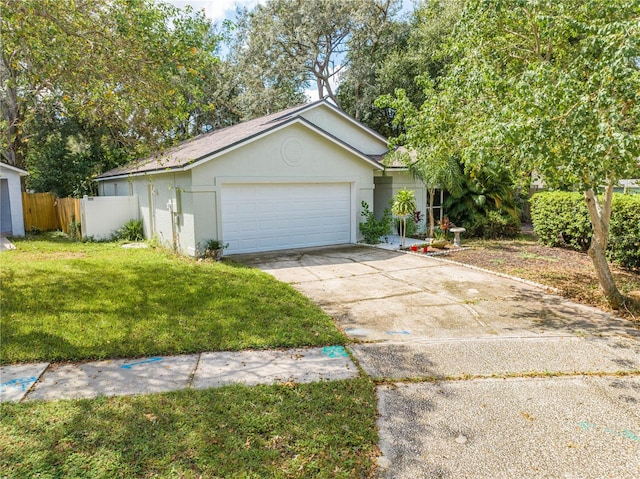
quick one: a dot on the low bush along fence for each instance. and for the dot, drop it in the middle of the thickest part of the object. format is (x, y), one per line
(562, 219)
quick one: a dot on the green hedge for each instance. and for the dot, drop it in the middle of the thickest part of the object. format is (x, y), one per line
(624, 231)
(493, 224)
(561, 219)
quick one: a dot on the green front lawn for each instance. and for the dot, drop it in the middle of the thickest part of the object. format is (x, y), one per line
(69, 301)
(311, 430)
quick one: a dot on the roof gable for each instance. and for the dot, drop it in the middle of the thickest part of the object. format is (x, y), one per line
(210, 145)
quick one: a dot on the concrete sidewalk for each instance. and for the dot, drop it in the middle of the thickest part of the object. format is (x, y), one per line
(168, 373)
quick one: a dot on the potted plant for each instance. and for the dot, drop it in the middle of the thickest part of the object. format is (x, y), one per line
(414, 247)
(425, 248)
(213, 249)
(439, 238)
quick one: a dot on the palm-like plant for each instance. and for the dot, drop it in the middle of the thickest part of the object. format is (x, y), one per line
(403, 205)
(442, 173)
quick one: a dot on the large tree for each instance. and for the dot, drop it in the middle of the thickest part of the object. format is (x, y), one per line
(545, 86)
(405, 50)
(134, 68)
(307, 40)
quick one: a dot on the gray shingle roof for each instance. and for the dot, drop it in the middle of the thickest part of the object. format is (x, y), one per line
(208, 144)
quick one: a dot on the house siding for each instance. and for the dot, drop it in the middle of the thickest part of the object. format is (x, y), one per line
(344, 129)
(14, 194)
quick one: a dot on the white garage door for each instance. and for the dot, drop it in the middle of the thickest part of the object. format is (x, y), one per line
(267, 217)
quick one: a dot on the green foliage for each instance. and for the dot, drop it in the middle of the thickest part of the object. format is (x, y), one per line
(411, 225)
(494, 225)
(562, 219)
(373, 228)
(132, 230)
(179, 305)
(403, 203)
(624, 231)
(75, 229)
(213, 249)
(545, 87)
(138, 71)
(485, 204)
(406, 48)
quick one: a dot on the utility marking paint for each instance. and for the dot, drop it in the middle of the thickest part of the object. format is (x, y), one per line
(626, 433)
(20, 383)
(150, 360)
(335, 352)
(404, 331)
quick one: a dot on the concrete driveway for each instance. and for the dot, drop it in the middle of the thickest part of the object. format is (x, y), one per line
(480, 375)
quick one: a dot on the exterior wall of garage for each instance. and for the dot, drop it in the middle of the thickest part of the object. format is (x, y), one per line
(294, 154)
(167, 213)
(183, 210)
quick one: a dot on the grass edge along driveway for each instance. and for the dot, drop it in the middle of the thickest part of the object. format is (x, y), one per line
(66, 301)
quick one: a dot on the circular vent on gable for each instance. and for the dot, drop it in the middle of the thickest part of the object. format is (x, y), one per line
(292, 151)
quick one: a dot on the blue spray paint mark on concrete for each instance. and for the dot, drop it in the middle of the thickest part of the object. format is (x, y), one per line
(404, 331)
(334, 352)
(626, 433)
(150, 360)
(20, 383)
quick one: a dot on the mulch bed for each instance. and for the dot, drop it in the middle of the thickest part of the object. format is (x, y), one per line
(569, 271)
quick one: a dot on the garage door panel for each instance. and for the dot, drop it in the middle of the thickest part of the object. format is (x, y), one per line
(260, 217)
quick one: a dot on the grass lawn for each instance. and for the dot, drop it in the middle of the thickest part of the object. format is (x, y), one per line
(69, 301)
(311, 430)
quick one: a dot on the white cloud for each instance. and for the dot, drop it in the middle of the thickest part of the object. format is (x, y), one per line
(216, 10)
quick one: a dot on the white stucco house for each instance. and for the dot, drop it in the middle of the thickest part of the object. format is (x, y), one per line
(11, 214)
(291, 179)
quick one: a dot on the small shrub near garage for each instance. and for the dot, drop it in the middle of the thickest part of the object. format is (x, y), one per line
(561, 219)
(372, 228)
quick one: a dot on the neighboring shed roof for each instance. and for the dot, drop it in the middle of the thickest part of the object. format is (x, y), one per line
(20, 171)
(217, 141)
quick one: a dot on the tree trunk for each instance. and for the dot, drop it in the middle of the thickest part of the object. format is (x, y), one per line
(404, 230)
(320, 88)
(432, 222)
(600, 217)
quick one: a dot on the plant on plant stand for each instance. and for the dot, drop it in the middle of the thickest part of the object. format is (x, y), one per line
(403, 204)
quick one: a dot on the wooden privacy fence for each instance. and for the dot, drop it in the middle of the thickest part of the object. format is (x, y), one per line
(46, 212)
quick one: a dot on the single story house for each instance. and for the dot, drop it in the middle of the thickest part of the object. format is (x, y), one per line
(291, 179)
(11, 213)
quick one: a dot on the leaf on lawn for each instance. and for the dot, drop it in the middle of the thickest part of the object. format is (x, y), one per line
(151, 417)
